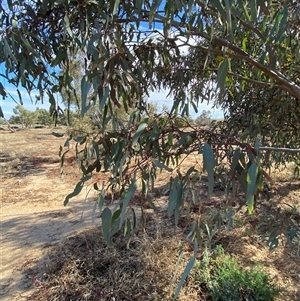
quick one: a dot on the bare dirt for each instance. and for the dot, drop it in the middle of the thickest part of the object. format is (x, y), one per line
(33, 216)
(34, 220)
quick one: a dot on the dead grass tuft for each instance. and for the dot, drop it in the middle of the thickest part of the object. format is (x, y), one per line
(84, 268)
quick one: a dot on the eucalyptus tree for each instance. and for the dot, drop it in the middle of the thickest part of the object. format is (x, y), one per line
(254, 103)
(244, 55)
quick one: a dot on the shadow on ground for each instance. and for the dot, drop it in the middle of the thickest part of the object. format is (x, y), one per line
(26, 237)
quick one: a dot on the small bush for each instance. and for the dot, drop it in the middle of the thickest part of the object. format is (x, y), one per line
(222, 279)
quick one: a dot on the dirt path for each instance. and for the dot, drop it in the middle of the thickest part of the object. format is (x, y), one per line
(32, 213)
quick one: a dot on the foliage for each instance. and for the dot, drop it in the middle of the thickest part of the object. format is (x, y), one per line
(25, 117)
(78, 126)
(222, 278)
(243, 56)
(43, 117)
(14, 119)
(204, 118)
(28, 118)
(71, 93)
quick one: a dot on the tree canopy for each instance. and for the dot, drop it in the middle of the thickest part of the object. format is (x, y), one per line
(241, 55)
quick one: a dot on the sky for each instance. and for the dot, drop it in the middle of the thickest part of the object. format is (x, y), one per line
(157, 97)
(8, 104)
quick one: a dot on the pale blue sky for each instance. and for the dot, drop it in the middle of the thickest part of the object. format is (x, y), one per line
(8, 103)
(158, 97)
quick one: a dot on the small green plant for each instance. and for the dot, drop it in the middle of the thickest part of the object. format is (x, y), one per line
(221, 278)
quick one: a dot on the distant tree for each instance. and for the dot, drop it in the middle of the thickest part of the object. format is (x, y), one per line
(14, 119)
(204, 118)
(73, 72)
(43, 117)
(79, 126)
(27, 118)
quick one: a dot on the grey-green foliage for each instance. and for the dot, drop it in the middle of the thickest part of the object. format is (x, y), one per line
(14, 119)
(71, 92)
(25, 117)
(71, 95)
(28, 118)
(204, 118)
(43, 117)
(242, 45)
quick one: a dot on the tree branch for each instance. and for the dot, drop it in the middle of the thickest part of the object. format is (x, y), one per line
(281, 79)
(280, 149)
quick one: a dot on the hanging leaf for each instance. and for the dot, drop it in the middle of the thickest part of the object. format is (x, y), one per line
(172, 197)
(138, 133)
(2, 91)
(251, 186)
(116, 6)
(77, 189)
(221, 76)
(209, 163)
(85, 89)
(129, 194)
(67, 26)
(161, 165)
(1, 113)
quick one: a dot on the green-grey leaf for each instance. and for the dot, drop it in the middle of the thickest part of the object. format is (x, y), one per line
(116, 6)
(106, 224)
(14, 23)
(138, 133)
(222, 74)
(1, 113)
(104, 98)
(85, 89)
(186, 272)
(172, 197)
(161, 165)
(235, 160)
(2, 91)
(253, 7)
(67, 25)
(209, 163)
(76, 191)
(130, 192)
(251, 186)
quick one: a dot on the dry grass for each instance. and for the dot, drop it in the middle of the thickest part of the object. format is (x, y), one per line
(84, 268)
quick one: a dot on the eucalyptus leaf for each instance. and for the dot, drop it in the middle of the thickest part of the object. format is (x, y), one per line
(209, 163)
(161, 165)
(85, 88)
(138, 133)
(251, 186)
(106, 224)
(185, 274)
(222, 74)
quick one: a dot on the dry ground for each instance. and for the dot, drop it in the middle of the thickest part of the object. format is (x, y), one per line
(44, 242)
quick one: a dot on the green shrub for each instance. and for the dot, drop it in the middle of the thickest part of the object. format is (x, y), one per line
(222, 279)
